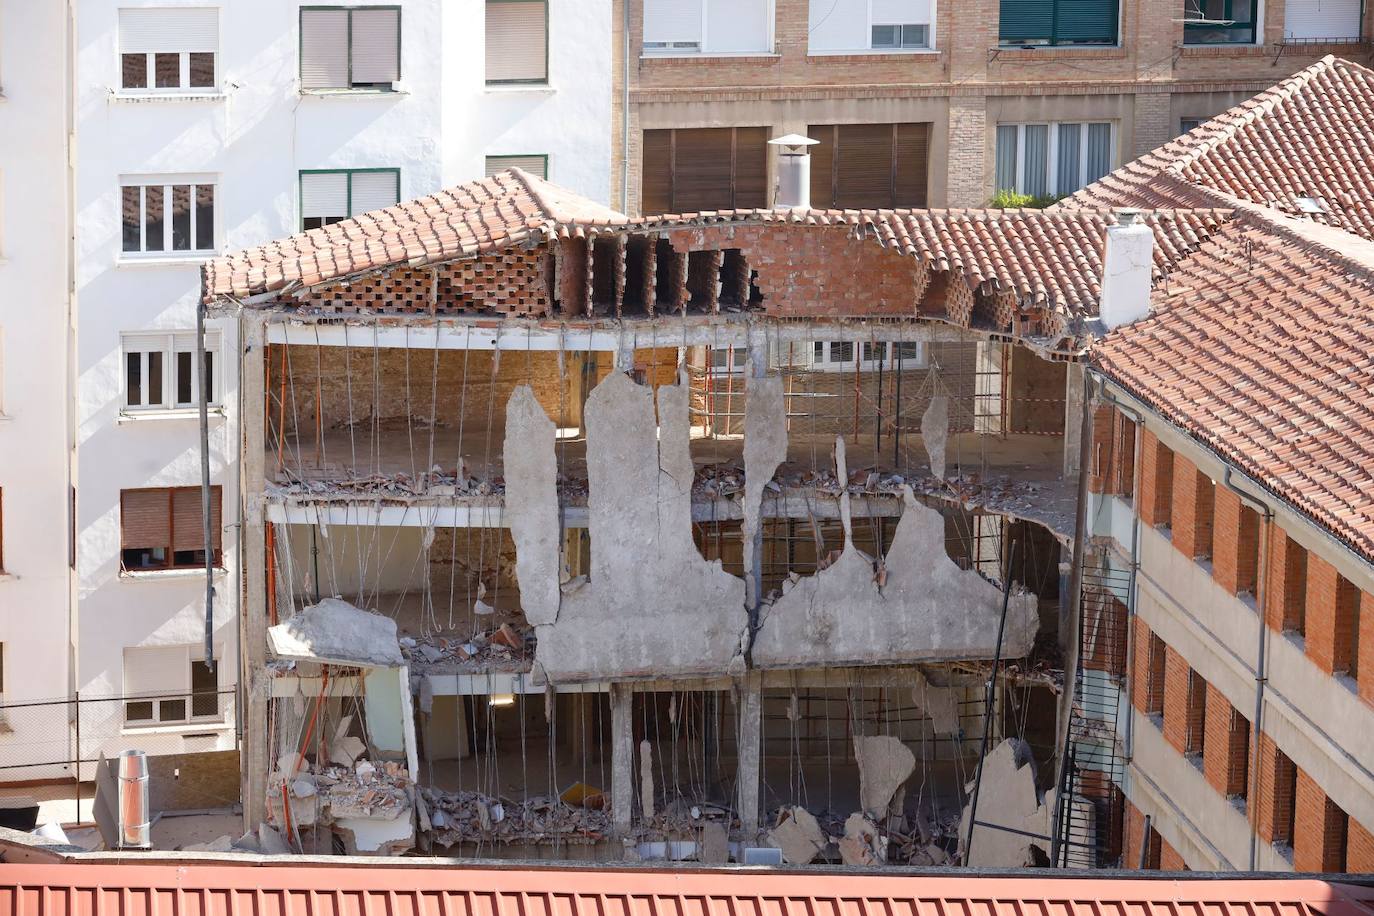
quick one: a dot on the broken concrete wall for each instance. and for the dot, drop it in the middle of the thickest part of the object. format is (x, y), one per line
(918, 606)
(1008, 798)
(652, 605)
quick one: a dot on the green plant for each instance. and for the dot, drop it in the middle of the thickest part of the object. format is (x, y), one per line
(1009, 199)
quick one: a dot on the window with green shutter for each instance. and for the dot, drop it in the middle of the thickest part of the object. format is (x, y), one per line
(1059, 22)
(1213, 22)
(331, 195)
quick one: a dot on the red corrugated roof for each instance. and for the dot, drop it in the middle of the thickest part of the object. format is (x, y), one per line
(380, 890)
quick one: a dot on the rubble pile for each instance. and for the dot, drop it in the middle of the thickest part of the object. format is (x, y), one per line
(345, 797)
(474, 817)
(504, 648)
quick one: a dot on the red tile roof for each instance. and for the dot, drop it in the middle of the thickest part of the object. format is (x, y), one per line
(1261, 346)
(348, 889)
(1312, 135)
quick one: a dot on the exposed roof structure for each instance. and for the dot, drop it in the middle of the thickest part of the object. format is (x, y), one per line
(1311, 136)
(1042, 257)
(216, 888)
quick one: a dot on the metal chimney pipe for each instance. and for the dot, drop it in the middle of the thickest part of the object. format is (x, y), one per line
(793, 190)
(134, 822)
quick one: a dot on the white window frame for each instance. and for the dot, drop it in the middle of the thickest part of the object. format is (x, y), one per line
(702, 48)
(181, 693)
(929, 47)
(881, 353)
(167, 182)
(184, 70)
(169, 344)
(1052, 152)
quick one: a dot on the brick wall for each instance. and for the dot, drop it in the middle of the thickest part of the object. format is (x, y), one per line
(1274, 790)
(1100, 468)
(1365, 653)
(1225, 754)
(1286, 588)
(1319, 834)
(1192, 509)
(1235, 543)
(1169, 857)
(970, 176)
(187, 782)
(1332, 605)
(1147, 670)
(1135, 836)
(1122, 480)
(1359, 849)
(1178, 725)
(1156, 480)
(1153, 125)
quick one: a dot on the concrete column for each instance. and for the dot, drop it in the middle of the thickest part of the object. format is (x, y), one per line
(1073, 418)
(749, 775)
(622, 756)
(255, 756)
(970, 175)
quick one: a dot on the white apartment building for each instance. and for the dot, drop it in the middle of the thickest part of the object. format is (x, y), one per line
(201, 127)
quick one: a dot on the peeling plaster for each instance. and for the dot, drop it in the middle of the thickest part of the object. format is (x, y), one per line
(532, 507)
(928, 608)
(935, 433)
(765, 447)
(652, 605)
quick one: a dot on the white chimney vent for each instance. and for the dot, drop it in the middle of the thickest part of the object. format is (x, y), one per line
(794, 172)
(1127, 270)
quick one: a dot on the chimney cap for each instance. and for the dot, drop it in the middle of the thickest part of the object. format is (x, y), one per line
(792, 140)
(1128, 216)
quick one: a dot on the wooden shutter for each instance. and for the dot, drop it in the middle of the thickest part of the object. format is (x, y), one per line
(913, 165)
(702, 170)
(822, 165)
(535, 165)
(187, 530)
(863, 174)
(751, 167)
(656, 173)
(376, 46)
(324, 195)
(324, 49)
(158, 29)
(375, 190)
(145, 518)
(1026, 20)
(517, 41)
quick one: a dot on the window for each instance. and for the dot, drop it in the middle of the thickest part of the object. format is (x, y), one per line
(160, 528)
(728, 360)
(357, 48)
(1211, 22)
(168, 215)
(838, 355)
(537, 165)
(167, 684)
(856, 166)
(840, 26)
(708, 27)
(1196, 711)
(715, 168)
(1059, 22)
(1187, 124)
(1054, 159)
(517, 41)
(168, 50)
(160, 371)
(1321, 20)
(330, 195)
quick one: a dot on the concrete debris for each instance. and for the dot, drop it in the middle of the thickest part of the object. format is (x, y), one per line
(671, 615)
(646, 778)
(929, 608)
(303, 787)
(1008, 798)
(532, 504)
(941, 704)
(798, 835)
(935, 433)
(505, 648)
(765, 447)
(346, 798)
(715, 844)
(337, 632)
(467, 817)
(862, 844)
(885, 764)
(218, 844)
(344, 751)
(271, 842)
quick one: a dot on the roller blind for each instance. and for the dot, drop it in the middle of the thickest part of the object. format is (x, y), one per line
(888, 12)
(374, 190)
(837, 25)
(147, 31)
(1086, 21)
(157, 670)
(324, 194)
(863, 166)
(324, 49)
(734, 26)
(656, 178)
(701, 173)
(751, 167)
(870, 165)
(376, 46)
(187, 530)
(822, 165)
(913, 165)
(145, 518)
(672, 20)
(535, 165)
(1322, 19)
(1026, 20)
(517, 41)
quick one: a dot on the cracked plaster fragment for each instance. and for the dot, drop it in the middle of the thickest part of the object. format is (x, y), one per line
(941, 704)
(935, 433)
(928, 608)
(885, 764)
(765, 447)
(652, 604)
(531, 505)
(1008, 798)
